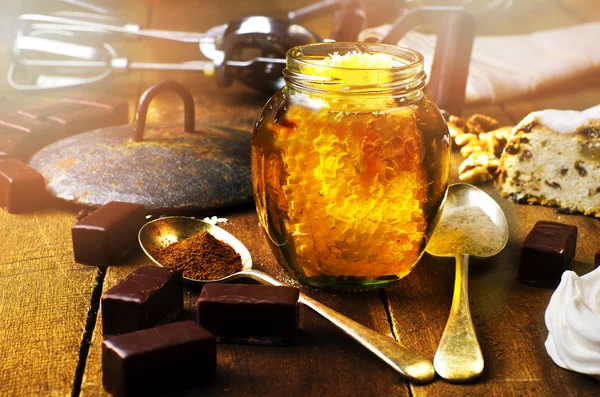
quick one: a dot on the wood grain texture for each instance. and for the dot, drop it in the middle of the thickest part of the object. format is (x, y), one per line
(323, 362)
(251, 370)
(508, 316)
(44, 302)
(45, 297)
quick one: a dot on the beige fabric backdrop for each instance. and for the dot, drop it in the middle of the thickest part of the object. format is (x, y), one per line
(508, 67)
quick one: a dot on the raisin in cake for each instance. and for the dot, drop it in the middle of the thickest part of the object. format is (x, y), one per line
(552, 157)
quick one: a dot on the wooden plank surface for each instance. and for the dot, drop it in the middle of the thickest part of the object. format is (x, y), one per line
(44, 301)
(45, 297)
(324, 361)
(508, 316)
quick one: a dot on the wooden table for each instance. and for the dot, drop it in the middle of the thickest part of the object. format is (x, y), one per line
(50, 339)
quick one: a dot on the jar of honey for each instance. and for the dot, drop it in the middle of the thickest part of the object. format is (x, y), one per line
(350, 165)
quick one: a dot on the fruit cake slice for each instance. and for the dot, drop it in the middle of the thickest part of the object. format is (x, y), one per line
(552, 157)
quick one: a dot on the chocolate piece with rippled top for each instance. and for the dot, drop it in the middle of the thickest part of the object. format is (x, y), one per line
(158, 360)
(252, 314)
(547, 251)
(108, 234)
(22, 189)
(147, 297)
(38, 123)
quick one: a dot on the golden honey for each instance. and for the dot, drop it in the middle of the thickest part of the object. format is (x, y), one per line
(350, 166)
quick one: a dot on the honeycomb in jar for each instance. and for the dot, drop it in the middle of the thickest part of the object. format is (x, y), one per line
(354, 190)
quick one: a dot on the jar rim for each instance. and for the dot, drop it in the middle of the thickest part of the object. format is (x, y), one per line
(305, 70)
(410, 57)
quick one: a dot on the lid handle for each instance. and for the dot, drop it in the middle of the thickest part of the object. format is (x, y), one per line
(189, 117)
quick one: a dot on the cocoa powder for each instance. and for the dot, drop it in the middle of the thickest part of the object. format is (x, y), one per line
(200, 257)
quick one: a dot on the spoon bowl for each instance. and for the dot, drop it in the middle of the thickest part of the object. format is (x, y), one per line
(466, 195)
(163, 232)
(160, 233)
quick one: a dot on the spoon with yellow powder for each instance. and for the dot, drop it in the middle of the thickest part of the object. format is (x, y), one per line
(472, 224)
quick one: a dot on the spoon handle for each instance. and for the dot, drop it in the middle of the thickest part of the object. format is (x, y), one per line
(407, 362)
(458, 357)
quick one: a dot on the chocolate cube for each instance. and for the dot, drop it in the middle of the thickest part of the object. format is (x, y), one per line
(256, 314)
(148, 296)
(106, 235)
(547, 251)
(22, 189)
(83, 119)
(43, 112)
(41, 123)
(28, 135)
(158, 360)
(8, 144)
(119, 108)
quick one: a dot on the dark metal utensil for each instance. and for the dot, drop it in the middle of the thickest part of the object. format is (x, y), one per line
(167, 168)
(51, 53)
(268, 37)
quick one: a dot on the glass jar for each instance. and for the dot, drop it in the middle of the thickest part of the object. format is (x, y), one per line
(350, 166)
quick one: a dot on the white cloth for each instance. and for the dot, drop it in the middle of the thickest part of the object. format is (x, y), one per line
(509, 67)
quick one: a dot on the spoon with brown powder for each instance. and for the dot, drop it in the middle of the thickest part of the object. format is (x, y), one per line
(472, 224)
(189, 237)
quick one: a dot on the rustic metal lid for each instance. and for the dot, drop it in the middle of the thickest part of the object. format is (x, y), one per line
(161, 166)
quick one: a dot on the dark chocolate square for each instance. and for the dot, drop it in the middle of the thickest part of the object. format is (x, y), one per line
(27, 135)
(547, 251)
(148, 296)
(43, 112)
(259, 314)
(8, 143)
(158, 360)
(83, 119)
(118, 107)
(22, 189)
(97, 112)
(17, 123)
(106, 235)
(39, 125)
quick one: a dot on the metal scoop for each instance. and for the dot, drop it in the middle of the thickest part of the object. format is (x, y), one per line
(54, 51)
(61, 23)
(162, 232)
(74, 64)
(458, 357)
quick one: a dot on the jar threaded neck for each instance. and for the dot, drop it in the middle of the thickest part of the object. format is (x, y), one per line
(306, 69)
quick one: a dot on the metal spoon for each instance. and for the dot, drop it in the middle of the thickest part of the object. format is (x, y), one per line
(162, 232)
(458, 357)
(66, 59)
